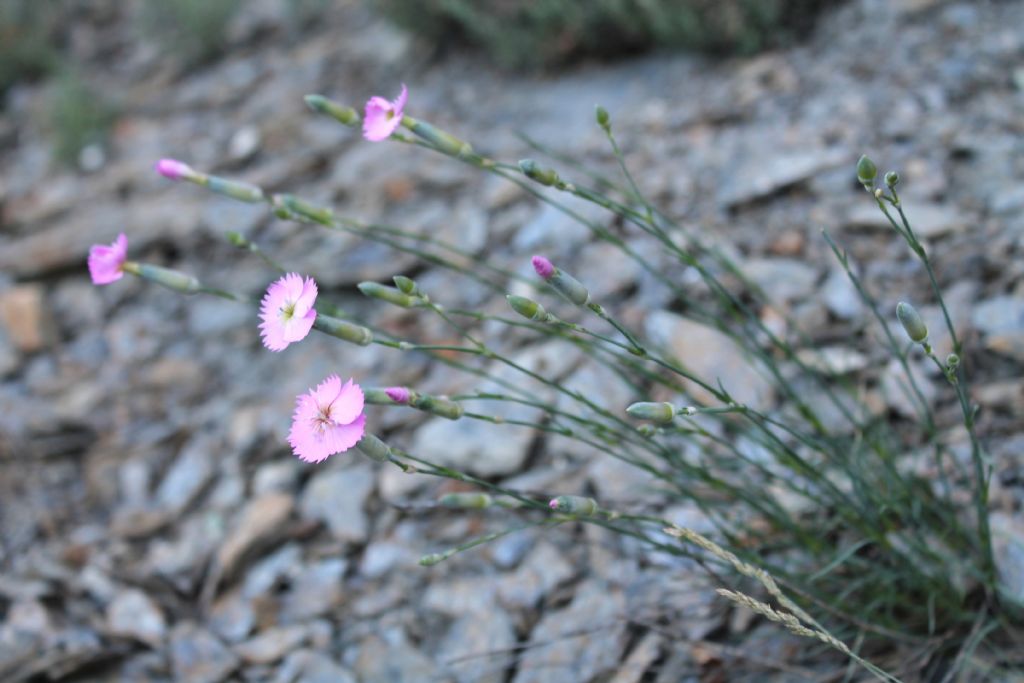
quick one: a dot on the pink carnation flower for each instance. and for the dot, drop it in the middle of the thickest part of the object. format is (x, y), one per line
(327, 420)
(105, 262)
(382, 118)
(287, 311)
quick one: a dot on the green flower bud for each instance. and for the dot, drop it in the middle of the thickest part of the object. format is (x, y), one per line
(373, 448)
(912, 322)
(892, 179)
(171, 279)
(344, 115)
(376, 397)
(318, 214)
(442, 140)
(603, 120)
(574, 505)
(662, 413)
(952, 361)
(390, 294)
(569, 287)
(436, 405)
(544, 176)
(237, 239)
(472, 501)
(356, 334)
(236, 190)
(432, 559)
(528, 308)
(406, 285)
(866, 171)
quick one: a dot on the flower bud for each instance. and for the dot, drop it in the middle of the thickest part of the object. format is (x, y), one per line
(236, 190)
(373, 448)
(952, 361)
(543, 266)
(376, 397)
(892, 179)
(603, 120)
(236, 239)
(318, 214)
(912, 322)
(866, 171)
(344, 115)
(528, 308)
(569, 287)
(171, 279)
(661, 413)
(432, 559)
(398, 394)
(346, 331)
(176, 170)
(470, 501)
(442, 140)
(389, 294)
(544, 176)
(406, 285)
(437, 405)
(574, 505)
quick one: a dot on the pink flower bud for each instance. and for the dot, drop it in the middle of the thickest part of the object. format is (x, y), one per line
(173, 169)
(398, 394)
(543, 267)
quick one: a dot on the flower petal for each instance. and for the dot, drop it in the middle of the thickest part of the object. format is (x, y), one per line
(347, 404)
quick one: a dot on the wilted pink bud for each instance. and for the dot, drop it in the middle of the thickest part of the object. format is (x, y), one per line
(398, 394)
(543, 267)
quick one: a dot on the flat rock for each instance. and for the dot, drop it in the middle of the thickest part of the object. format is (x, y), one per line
(541, 571)
(26, 318)
(833, 360)
(133, 614)
(840, 295)
(1001, 320)
(188, 476)
(308, 666)
(398, 661)
(336, 497)
(927, 220)
(712, 356)
(197, 656)
(898, 391)
(1008, 548)
(271, 645)
(262, 520)
(758, 176)
(470, 638)
(579, 643)
(782, 279)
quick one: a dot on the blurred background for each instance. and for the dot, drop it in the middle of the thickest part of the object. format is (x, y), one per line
(155, 526)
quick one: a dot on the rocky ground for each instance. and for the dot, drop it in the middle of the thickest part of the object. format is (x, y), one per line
(155, 526)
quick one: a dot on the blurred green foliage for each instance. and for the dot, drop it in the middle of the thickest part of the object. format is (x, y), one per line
(78, 117)
(27, 40)
(192, 30)
(538, 33)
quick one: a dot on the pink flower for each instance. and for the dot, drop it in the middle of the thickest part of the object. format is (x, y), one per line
(173, 169)
(287, 311)
(398, 394)
(327, 420)
(543, 267)
(105, 262)
(382, 118)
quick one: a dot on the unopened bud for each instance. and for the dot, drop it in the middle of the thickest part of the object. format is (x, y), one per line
(321, 105)
(406, 285)
(952, 361)
(237, 239)
(318, 214)
(569, 287)
(661, 413)
(346, 331)
(442, 140)
(436, 405)
(171, 279)
(234, 189)
(544, 176)
(603, 120)
(373, 448)
(432, 559)
(892, 179)
(912, 322)
(376, 397)
(398, 394)
(528, 308)
(394, 296)
(574, 505)
(176, 170)
(470, 501)
(866, 171)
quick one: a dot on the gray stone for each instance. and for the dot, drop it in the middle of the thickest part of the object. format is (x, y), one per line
(755, 176)
(461, 596)
(1008, 549)
(188, 476)
(397, 661)
(928, 221)
(133, 614)
(197, 656)
(261, 521)
(1001, 320)
(308, 666)
(898, 391)
(711, 356)
(477, 647)
(782, 279)
(337, 497)
(271, 645)
(232, 616)
(544, 569)
(316, 590)
(840, 295)
(833, 360)
(582, 641)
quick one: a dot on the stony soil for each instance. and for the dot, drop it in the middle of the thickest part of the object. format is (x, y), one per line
(155, 526)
